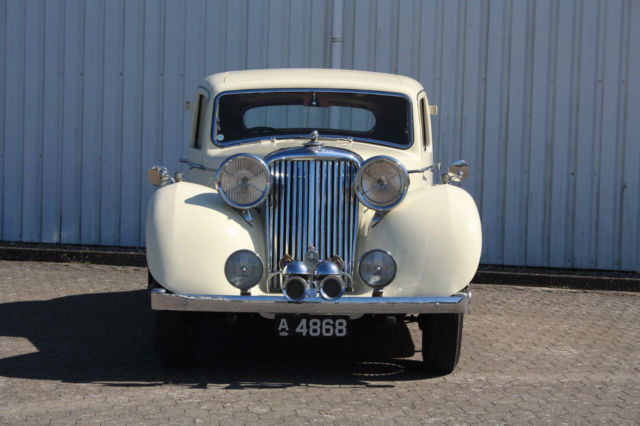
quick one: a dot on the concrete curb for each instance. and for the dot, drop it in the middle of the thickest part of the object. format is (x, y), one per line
(71, 254)
(586, 280)
(487, 274)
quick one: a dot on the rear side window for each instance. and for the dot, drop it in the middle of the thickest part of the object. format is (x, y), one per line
(199, 121)
(423, 123)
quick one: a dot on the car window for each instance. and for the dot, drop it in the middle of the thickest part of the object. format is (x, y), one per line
(423, 122)
(371, 117)
(199, 121)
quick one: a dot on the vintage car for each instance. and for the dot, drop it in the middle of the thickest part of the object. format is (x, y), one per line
(311, 198)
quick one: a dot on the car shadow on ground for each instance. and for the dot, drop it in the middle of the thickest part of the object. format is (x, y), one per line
(107, 338)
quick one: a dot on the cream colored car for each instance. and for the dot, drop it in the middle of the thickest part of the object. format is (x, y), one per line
(312, 200)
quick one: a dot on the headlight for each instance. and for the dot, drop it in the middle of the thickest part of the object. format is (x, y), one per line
(243, 269)
(243, 181)
(377, 268)
(381, 183)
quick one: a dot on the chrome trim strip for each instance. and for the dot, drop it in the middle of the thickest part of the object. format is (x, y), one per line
(458, 303)
(193, 165)
(340, 206)
(312, 153)
(432, 167)
(369, 92)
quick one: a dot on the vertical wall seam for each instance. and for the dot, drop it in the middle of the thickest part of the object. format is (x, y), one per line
(183, 71)
(573, 111)
(60, 149)
(41, 133)
(597, 119)
(551, 78)
(551, 125)
(577, 44)
(505, 143)
(24, 113)
(287, 58)
(81, 130)
(461, 62)
(438, 77)
(3, 136)
(623, 78)
(123, 101)
(527, 118)
(246, 40)
(482, 100)
(637, 236)
(160, 111)
(141, 118)
(4, 111)
(395, 37)
(101, 123)
(374, 38)
(62, 111)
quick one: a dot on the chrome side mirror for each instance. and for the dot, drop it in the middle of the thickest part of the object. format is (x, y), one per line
(158, 175)
(458, 171)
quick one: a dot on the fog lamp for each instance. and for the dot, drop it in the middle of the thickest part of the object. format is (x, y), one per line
(243, 269)
(377, 268)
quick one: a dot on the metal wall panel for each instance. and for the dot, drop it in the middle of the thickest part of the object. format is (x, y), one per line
(542, 97)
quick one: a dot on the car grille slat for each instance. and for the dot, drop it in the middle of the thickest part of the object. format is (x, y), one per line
(311, 204)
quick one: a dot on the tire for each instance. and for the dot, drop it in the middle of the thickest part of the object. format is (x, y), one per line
(176, 337)
(441, 341)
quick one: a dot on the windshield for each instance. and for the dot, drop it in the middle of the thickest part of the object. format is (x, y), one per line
(366, 116)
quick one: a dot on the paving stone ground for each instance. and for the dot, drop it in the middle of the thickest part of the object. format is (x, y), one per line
(76, 347)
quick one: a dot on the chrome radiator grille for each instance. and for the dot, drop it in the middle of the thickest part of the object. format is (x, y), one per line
(312, 203)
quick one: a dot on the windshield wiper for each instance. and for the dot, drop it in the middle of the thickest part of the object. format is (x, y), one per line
(320, 137)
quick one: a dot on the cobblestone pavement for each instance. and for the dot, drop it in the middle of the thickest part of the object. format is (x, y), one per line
(76, 346)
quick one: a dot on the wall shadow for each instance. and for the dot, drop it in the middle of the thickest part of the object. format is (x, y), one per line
(107, 338)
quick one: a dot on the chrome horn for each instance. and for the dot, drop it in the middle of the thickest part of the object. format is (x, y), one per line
(331, 284)
(295, 285)
(295, 288)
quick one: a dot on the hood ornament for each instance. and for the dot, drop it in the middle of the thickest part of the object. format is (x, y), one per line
(313, 141)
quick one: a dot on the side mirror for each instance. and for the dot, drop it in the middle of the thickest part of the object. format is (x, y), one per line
(458, 171)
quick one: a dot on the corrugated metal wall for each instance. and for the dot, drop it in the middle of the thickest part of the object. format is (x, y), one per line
(542, 97)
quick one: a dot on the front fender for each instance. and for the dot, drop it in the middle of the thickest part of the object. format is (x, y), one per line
(436, 238)
(190, 234)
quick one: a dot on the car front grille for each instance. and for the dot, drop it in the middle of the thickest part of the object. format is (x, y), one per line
(312, 204)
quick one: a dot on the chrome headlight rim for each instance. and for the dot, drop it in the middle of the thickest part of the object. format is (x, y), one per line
(229, 201)
(257, 256)
(395, 269)
(358, 184)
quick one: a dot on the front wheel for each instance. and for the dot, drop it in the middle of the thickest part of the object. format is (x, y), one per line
(441, 341)
(176, 337)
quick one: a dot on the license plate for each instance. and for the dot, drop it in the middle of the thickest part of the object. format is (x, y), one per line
(312, 326)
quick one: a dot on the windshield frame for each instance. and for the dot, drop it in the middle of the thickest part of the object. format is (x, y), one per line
(407, 98)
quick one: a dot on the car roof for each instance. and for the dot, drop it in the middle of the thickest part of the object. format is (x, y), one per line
(304, 78)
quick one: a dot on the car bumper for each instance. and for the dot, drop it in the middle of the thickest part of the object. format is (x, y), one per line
(161, 300)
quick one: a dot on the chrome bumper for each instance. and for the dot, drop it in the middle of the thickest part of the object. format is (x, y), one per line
(163, 301)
